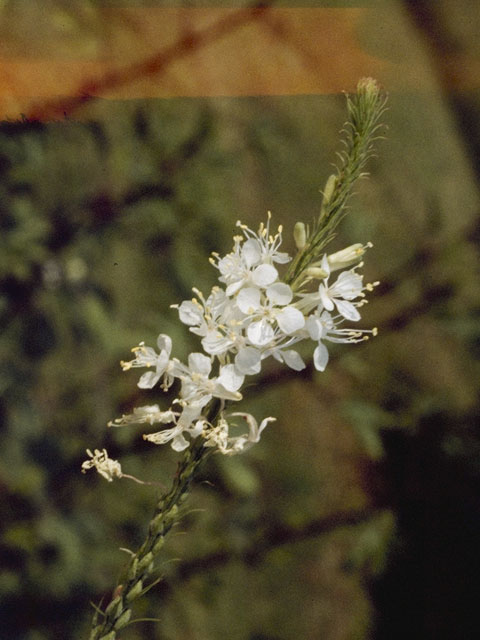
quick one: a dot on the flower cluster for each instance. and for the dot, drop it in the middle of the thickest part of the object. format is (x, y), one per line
(252, 316)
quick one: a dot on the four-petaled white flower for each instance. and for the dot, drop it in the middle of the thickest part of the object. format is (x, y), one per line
(268, 312)
(347, 287)
(147, 357)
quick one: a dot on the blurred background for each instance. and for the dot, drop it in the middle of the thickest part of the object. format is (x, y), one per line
(134, 135)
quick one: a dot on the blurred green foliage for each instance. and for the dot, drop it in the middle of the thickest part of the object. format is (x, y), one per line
(357, 515)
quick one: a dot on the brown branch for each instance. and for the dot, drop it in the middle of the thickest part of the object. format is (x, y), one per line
(268, 540)
(154, 65)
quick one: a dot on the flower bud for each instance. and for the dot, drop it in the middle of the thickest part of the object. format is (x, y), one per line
(316, 272)
(135, 591)
(327, 194)
(299, 235)
(145, 561)
(123, 620)
(348, 256)
(368, 86)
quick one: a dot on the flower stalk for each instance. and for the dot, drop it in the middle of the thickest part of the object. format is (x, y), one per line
(256, 314)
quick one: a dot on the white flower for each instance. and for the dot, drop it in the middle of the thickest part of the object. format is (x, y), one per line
(105, 466)
(325, 327)
(348, 286)
(237, 270)
(203, 315)
(217, 320)
(188, 422)
(251, 261)
(263, 246)
(267, 310)
(150, 414)
(197, 387)
(147, 357)
(219, 435)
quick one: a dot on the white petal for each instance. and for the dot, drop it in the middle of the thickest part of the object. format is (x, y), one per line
(164, 343)
(229, 378)
(251, 252)
(248, 300)
(290, 320)
(279, 294)
(320, 357)
(255, 430)
(248, 361)
(215, 344)
(281, 257)
(148, 380)
(162, 361)
(216, 300)
(199, 363)
(234, 287)
(189, 313)
(179, 443)
(221, 392)
(264, 275)
(197, 429)
(314, 326)
(347, 310)
(325, 265)
(190, 413)
(260, 333)
(262, 426)
(229, 264)
(348, 285)
(161, 437)
(293, 360)
(324, 297)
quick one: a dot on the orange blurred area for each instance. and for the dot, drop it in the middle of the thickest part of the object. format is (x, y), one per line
(152, 53)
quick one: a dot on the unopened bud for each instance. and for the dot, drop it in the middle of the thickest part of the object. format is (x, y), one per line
(327, 193)
(135, 591)
(348, 256)
(316, 272)
(299, 235)
(369, 87)
(123, 620)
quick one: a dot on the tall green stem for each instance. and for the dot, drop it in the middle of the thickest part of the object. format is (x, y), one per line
(132, 585)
